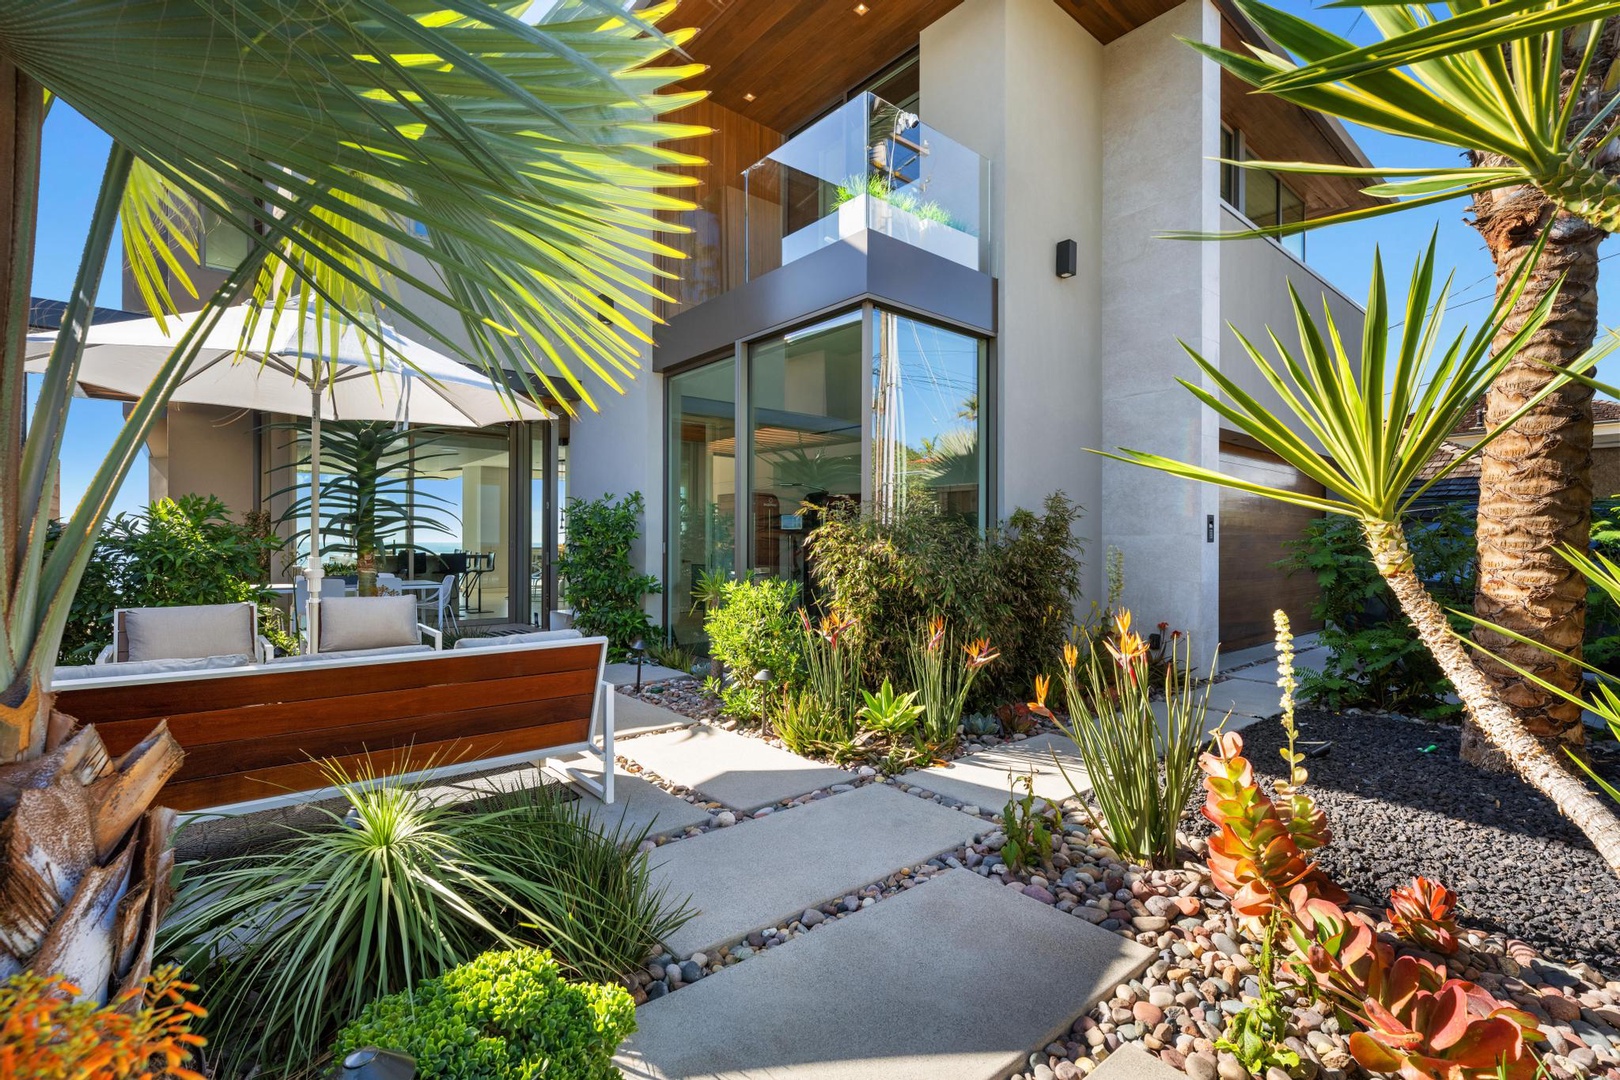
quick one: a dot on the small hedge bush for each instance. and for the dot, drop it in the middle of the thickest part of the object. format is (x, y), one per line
(507, 1015)
(756, 628)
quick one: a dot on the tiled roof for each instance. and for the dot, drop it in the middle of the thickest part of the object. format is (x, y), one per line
(1603, 410)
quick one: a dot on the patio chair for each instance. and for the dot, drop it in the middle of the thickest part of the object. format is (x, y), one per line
(368, 626)
(440, 604)
(389, 584)
(193, 632)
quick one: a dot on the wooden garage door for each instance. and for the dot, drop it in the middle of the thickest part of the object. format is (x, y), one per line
(1253, 531)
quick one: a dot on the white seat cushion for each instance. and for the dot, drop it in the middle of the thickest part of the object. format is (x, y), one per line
(517, 639)
(353, 654)
(131, 668)
(368, 622)
(188, 633)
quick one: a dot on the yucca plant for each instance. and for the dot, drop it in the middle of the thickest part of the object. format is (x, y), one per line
(1528, 89)
(599, 911)
(1369, 426)
(293, 940)
(1123, 740)
(506, 168)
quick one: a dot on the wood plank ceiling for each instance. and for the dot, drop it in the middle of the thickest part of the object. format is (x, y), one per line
(796, 58)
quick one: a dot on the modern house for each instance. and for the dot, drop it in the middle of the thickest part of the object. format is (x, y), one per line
(926, 266)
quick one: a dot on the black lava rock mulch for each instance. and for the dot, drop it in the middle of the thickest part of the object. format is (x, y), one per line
(1400, 803)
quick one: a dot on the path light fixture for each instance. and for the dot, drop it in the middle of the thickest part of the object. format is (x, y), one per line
(370, 1063)
(638, 649)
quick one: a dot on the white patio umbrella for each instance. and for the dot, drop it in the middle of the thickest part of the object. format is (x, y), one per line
(296, 370)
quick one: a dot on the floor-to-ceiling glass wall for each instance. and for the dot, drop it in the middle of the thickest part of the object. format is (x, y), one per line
(927, 434)
(702, 497)
(804, 438)
(870, 410)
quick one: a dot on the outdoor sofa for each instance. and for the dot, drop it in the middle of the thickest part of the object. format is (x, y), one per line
(254, 734)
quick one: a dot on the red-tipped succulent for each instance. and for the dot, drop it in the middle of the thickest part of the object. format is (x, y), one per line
(1429, 1027)
(1255, 857)
(1421, 913)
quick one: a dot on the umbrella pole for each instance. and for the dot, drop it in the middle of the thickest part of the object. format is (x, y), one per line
(313, 573)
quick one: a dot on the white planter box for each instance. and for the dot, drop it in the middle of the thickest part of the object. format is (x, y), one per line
(866, 212)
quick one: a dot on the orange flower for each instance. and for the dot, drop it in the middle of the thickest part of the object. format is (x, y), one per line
(1043, 686)
(1071, 655)
(980, 653)
(936, 633)
(1131, 646)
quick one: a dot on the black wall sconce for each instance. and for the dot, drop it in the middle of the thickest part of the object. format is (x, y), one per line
(1068, 258)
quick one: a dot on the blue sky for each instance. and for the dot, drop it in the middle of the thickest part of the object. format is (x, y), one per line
(75, 152)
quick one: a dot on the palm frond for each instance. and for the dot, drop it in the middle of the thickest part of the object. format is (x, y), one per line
(486, 157)
(1368, 426)
(1485, 77)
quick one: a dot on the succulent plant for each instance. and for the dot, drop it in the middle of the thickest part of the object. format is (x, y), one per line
(1421, 913)
(978, 725)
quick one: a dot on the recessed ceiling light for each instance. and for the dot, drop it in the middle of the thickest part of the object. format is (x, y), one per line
(748, 97)
(861, 9)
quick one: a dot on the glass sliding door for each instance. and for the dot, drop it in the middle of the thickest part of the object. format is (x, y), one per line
(927, 424)
(468, 477)
(702, 497)
(805, 438)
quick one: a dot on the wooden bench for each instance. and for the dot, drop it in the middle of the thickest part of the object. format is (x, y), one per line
(251, 734)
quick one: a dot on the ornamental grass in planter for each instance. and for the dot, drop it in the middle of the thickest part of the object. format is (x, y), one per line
(291, 942)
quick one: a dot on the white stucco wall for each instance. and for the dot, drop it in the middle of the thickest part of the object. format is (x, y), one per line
(1020, 81)
(1161, 132)
(1255, 275)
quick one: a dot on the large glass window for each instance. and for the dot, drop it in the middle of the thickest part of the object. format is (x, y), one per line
(805, 434)
(702, 488)
(467, 476)
(926, 419)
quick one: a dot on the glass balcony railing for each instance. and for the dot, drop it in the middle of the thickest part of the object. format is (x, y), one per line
(869, 165)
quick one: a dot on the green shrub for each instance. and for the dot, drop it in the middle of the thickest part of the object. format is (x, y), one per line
(599, 581)
(508, 1015)
(1015, 585)
(1375, 659)
(175, 552)
(291, 941)
(756, 628)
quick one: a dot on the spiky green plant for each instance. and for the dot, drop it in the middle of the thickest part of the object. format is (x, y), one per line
(1366, 428)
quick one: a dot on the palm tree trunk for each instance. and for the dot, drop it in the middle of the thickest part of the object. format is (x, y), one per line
(85, 859)
(1495, 722)
(1535, 487)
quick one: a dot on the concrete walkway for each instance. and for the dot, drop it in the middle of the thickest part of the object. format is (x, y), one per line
(765, 871)
(743, 773)
(956, 978)
(984, 778)
(636, 716)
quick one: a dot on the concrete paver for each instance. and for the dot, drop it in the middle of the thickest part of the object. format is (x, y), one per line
(956, 978)
(633, 715)
(983, 778)
(636, 803)
(761, 872)
(1132, 1062)
(743, 773)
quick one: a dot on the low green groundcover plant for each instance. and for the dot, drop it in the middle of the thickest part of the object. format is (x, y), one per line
(508, 1015)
